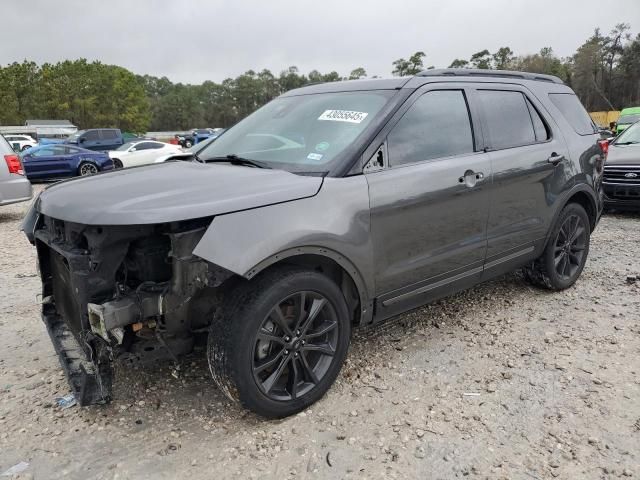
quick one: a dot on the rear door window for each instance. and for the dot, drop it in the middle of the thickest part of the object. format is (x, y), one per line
(507, 119)
(437, 125)
(109, 134)
(573, 112)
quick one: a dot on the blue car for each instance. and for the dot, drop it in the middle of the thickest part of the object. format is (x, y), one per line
(60, 161)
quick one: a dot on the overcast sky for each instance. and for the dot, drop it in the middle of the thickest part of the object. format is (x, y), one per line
(196, 40)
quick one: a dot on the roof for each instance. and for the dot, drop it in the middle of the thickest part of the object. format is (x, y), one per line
(47, 123)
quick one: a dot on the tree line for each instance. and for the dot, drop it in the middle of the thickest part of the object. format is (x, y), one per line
(604, 72)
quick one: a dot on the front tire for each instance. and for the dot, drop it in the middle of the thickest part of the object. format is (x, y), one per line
(188, 144)
(117, 163)
(566, 252)
(279, 341)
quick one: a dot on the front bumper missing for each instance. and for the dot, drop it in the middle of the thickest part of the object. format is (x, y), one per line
(90, 379)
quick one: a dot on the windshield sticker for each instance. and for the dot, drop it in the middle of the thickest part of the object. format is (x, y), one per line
(322, 147)
(314, 156)
(343, 116)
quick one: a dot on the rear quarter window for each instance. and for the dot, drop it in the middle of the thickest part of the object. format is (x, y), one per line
(573, 112)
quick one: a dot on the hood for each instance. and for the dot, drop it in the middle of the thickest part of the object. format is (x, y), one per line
(171, 192)
(623, 155)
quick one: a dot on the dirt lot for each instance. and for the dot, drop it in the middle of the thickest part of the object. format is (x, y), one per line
(503, 381)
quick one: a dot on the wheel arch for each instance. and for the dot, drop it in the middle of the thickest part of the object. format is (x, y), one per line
(583, 195)
(338, 267)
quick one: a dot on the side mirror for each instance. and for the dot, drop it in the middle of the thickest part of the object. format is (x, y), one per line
(81, 140)
(133, 149)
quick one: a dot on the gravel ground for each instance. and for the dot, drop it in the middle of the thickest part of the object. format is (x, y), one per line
(502, 381)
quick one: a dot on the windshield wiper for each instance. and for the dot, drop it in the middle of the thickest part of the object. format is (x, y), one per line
(236, 160)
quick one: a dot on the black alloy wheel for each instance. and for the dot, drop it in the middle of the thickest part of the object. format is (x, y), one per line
(295, 346)
(277, 342)
(570, 245)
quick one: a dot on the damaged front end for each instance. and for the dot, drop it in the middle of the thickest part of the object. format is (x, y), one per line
(133, 292)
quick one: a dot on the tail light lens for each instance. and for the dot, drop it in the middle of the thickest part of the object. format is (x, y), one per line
(14, 164)
(604, 146)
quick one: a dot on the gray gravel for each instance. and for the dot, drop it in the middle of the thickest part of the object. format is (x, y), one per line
(503, 381)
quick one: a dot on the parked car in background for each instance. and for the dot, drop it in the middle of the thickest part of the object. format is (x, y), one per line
(628, 116)
(621, 180)
(134, 154)
(20, 142)
(59, 161)
(98, 139)
(192, 152)
(334, 206)
(197, 135)
(14, 186)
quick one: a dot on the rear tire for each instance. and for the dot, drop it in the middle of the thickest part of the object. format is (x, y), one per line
(87, 168)
(566, 252)
(273, 356)
(188, 144)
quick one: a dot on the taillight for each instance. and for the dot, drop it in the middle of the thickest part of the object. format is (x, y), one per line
(604, 146)
(14, 164)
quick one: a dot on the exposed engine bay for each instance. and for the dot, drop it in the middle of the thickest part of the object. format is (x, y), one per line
(135, 293)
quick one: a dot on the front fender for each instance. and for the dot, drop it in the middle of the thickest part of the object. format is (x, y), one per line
(334, 223)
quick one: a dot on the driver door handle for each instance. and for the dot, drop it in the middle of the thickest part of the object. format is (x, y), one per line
(555, 159)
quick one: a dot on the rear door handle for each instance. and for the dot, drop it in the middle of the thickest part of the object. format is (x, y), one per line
(555, 159)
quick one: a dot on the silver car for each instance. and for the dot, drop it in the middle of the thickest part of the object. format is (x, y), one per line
(14, 186)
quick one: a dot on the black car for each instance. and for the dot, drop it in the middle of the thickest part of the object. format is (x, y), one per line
(622, 171)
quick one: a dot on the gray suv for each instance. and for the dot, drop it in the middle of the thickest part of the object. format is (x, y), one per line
(14, 186)
(332, 207)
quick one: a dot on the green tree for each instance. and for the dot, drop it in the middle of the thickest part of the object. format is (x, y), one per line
(481, 59)
(503, 58)
(357, 73)
(459, 63)
(413, 66)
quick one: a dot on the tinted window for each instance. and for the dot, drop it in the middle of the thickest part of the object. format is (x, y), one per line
(109, 134)
(49, 151)
(91, 135)
(145, 146)
(73, 150)
(507, 117)
(573, 111)
(436, 125)
(628, 119)
(542, 133)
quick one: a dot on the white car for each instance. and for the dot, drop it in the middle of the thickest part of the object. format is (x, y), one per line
(141, 152)
(22, 142)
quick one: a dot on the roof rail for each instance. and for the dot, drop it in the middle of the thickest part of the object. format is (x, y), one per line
(475, 72)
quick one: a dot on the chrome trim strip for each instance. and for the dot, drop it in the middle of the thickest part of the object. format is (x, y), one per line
(431, 286)
(509, 257)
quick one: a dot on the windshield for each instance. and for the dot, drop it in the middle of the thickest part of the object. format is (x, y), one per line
(301, 133)
(630, 135)
(627, 119)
